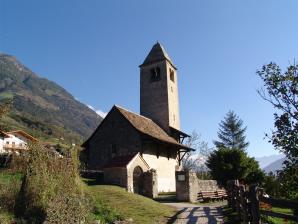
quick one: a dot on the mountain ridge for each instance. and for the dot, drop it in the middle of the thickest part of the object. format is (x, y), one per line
(266, 160)
(41, 106)
(275, 166)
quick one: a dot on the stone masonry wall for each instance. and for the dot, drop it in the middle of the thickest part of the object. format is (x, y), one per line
(173, 98)
(154, 95)
(182, 186)
(188, 186)
(116, 176)
(114, 130)
(136, 162)
(150, 184)
(207, 185)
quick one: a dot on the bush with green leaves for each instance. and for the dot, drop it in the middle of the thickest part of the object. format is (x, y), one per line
(281, 90)
(231, 164)
(51, 191)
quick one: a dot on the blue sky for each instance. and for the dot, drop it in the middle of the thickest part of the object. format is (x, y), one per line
(93, 48)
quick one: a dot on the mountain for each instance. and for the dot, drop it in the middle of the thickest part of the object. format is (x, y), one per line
(273, 167)
(42, 107)
(266, 160)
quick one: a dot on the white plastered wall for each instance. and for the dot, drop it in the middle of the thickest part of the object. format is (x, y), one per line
(17, 140)
(165, 169)
(1, 145)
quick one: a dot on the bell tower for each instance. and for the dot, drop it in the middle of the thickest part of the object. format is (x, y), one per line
(159, 99)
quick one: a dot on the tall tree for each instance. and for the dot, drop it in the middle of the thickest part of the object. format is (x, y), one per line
(281, 90)
(231, 133)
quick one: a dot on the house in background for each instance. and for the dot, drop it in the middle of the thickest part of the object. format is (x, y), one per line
(16, 141)
(3, 135)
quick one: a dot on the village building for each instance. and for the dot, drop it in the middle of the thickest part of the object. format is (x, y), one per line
(16, 141)
(142, 152)
(3, 135)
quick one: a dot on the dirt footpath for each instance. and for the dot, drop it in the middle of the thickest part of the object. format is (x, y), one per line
(188, 213)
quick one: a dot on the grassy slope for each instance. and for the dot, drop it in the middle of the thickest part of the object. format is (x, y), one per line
(6, 179)
(278, 220)
(110, 203)
(231, 216)
(130, 206)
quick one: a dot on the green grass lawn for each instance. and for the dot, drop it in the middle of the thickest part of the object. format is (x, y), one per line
(107, 203)
(273, 220)
(6, 177)
(231, 216)
(128, 206)
(6, 180)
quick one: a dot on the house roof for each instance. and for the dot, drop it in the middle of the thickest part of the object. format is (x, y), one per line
(24, 134)
(157, 53)
(146, 127)
(3, 134)
(181, 133)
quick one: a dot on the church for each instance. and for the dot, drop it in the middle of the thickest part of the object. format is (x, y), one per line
(141, 152)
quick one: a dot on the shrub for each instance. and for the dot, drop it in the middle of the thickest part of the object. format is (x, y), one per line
(9, 188)
(5, 159)
(231, 164)
(51, 190)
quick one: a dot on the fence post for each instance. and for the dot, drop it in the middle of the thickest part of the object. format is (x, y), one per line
(230, 188)
(237, 194)
(255, 204)
(243, 207)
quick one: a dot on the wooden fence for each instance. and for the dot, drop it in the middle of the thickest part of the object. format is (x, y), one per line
(246, 200)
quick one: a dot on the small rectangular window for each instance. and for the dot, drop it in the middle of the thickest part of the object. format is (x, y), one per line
(172, 76)
(13, 143)
(155, 74)
(114, 149)
(7, 143)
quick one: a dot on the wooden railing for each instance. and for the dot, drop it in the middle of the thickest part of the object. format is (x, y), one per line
(245, 200)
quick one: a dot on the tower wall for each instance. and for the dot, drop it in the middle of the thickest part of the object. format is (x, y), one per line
(154, 95)
(159, 99)
(173, 97)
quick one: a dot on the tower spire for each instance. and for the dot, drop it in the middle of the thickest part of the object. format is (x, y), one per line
(157, 53)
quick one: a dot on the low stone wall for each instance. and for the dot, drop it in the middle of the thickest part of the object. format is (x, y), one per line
(208, 185)
(116, 176)
(150, 184)
(188, 186)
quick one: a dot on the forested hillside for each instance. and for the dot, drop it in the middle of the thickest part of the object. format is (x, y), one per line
(40, 106)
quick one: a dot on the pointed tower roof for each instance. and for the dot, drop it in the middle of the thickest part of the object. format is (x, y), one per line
(156, 54)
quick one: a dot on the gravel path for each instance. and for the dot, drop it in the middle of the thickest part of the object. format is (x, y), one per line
(191, 213)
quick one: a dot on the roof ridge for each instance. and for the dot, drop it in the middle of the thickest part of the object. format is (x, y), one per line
(117, 106)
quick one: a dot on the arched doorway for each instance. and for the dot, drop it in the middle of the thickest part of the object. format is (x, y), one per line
(138, 180)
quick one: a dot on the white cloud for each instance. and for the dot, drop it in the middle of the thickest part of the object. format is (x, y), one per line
(92, 108)
(99, 112)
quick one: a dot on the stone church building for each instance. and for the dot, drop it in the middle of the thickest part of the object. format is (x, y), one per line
(142, 152)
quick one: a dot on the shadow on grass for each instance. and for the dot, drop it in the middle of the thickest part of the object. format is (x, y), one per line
(92, 182)
(166, 198)
(230, 216)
